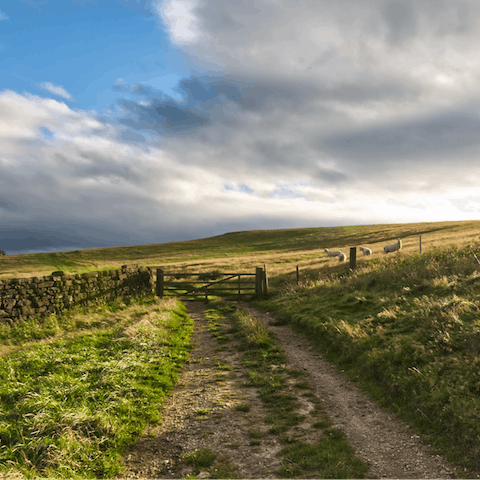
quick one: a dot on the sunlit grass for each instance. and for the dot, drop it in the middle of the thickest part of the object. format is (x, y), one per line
(281, 250)
(68, 408)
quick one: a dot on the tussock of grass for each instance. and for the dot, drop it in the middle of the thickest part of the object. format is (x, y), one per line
(200, 458)
(68, 408)
(244, 407)
(332, 456)
(408, 329)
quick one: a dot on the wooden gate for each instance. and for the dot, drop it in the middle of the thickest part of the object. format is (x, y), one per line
(215, 283)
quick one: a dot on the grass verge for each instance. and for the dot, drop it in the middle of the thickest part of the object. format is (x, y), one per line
(408, 330)
(70, 407)
(73, 320)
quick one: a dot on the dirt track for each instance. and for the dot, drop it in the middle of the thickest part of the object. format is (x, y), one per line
(378, 438)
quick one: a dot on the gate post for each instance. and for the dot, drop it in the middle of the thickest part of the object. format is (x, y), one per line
(160, 277)
(265, 281)
(258, 282)
(353, 258)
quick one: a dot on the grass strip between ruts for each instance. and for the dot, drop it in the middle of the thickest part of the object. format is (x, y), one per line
(69, 408)
(331, 457)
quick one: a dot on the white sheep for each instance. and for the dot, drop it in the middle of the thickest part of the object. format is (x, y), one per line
(393, 247)
(342, 257)
(365, 250)
(332, 253)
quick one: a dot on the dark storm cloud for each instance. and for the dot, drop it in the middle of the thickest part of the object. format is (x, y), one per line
(8, 205)
(329, 176)
(401, 19)
(205, 97)
(162, 116)
(438, 136)
(369, 88)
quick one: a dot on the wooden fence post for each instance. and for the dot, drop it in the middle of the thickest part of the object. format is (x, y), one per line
(160, 278)
(420, 244)
(258, 282)
(298, 275)
(353, 258)
(265, 281)
(239, 287)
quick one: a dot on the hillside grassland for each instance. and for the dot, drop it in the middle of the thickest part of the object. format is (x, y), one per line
(407, 329)
(404, 326)
(281, 250)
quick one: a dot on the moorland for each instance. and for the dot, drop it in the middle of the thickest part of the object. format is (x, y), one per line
(403, 326)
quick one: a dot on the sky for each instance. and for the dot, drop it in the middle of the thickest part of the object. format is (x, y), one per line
(126, 122)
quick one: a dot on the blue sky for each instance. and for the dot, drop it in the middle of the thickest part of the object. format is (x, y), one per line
(145, 121)
(85, 47)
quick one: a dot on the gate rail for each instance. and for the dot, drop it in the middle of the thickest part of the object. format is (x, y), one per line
(256, 287)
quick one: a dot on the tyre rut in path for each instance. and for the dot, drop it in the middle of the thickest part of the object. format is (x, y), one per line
(387, 444)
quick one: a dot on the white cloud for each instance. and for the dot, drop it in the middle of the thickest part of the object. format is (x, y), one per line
(56, 90)
(180, 17)
(3, 16)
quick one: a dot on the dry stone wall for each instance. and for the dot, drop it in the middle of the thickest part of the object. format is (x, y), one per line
(21, 298)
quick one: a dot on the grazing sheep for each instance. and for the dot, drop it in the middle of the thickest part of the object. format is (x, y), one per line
(365, 250)
(393, 247)
(342, 257)
(332, 253)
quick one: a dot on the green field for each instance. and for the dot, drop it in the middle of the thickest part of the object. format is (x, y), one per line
(280, 249)
(404, 326)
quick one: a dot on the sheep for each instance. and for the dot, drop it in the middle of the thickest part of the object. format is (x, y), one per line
(342, 257)
(393, 247)
(365, 250)
(332, 253)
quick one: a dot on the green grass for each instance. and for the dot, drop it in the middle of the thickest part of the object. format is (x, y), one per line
(69, 408)
(204, 459)
(200, 458)
(74, 320)
(406, 328)
(332, 456)
(243, 407)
